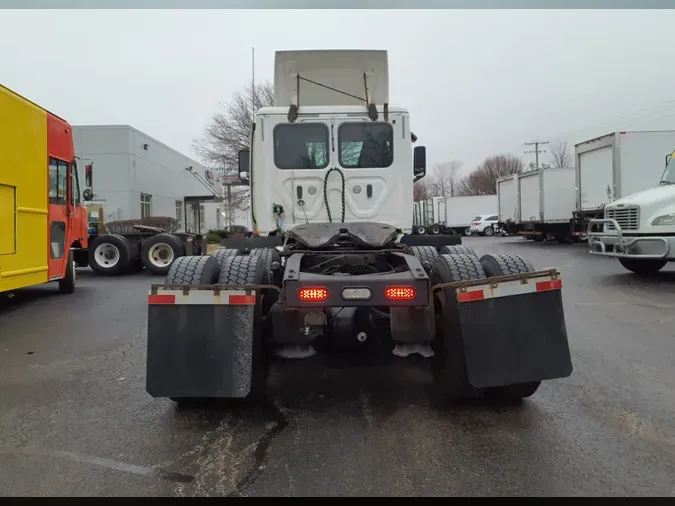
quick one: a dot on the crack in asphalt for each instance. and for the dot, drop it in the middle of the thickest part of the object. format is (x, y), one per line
(261, 450)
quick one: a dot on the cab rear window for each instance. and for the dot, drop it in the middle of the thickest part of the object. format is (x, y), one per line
(300, 146)
(366, 144)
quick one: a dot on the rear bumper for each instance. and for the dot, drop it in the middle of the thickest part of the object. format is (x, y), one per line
(377, 284)
(616, 244)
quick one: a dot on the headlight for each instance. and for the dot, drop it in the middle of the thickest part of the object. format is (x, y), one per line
(663, 221)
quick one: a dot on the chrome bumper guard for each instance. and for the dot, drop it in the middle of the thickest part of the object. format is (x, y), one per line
(623, 246)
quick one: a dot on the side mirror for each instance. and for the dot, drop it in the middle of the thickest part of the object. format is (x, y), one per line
(89, 175)
(88, 195)
(244, 159)
(419, 162)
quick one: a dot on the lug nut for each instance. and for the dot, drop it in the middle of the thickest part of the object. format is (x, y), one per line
(361, 337)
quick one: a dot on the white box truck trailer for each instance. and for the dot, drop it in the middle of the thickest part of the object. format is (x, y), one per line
(614, 166)
(546, 202)
(507, 203)
(457, 213)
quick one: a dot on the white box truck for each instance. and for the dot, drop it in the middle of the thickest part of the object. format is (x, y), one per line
(639, 229)
(614, 166)
(546, 203)
(457, 213)
(507, 203)
(451, 215)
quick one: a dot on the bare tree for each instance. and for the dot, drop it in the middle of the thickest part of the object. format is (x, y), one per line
(561, 155)
(229, 129)
(483, 179)
(421, 190)
(445, 179)
(227, 133)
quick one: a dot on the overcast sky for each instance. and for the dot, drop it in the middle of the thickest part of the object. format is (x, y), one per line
(476, 83)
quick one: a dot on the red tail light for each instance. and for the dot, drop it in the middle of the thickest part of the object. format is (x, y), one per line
(400, 293)
(313, 294)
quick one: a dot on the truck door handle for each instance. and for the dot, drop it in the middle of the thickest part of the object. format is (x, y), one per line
(298, 191)
(369, 190)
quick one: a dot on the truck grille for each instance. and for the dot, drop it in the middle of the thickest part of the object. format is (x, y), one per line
(628, 218)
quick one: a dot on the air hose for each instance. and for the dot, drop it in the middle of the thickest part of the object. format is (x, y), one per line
(325, 193)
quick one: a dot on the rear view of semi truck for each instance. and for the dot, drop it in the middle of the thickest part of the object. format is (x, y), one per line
(336, 265)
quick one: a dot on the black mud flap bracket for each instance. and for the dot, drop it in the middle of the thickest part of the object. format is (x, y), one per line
(512, 329)
(201, 340)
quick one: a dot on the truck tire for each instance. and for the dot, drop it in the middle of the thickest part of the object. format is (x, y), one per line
(192, 270)
(435, 229)
(420, 230)
(425, 254)
(110, 254)
(502, 264)
(223, 253)
(457, 250)
(270, 255)
(642, 267)
(67, 283)
(201, 270)
(447, 365)
(252, 270)
(160, 251)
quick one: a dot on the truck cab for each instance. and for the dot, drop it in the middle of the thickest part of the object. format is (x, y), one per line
(321, 156)
(639, 229)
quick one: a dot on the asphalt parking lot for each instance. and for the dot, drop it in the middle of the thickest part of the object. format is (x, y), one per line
(75, 418)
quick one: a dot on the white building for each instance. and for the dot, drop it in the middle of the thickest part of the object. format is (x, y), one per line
(136, 176)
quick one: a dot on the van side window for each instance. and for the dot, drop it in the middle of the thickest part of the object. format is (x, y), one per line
(58, 181)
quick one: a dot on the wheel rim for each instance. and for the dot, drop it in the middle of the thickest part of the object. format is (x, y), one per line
(161, 255)
(107, 255)
(420, 230)
(467, 231)
(488, 231)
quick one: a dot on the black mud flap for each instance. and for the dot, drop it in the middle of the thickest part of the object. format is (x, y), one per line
(515, 339)
(200, 347)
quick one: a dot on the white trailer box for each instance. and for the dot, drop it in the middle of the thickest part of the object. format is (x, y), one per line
(458, 212)
(619, 164)
(547, 195)
(507, 198)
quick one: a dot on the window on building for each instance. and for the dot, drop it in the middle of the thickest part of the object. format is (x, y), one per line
(58, 177)
(146, 205)
(202, 214)
(179, 212)
(366, 145)
(301, 146)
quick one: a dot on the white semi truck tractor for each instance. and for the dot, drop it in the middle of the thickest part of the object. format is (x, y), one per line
(639, 230)
(334, 268)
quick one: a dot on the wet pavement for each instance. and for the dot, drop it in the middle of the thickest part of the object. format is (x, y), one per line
(75, 418)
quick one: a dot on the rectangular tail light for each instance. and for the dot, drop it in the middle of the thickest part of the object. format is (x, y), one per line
(313, 294)
(400, 293)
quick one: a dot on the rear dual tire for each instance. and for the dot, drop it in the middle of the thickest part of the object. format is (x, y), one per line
(233, 269)
(448, 365)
